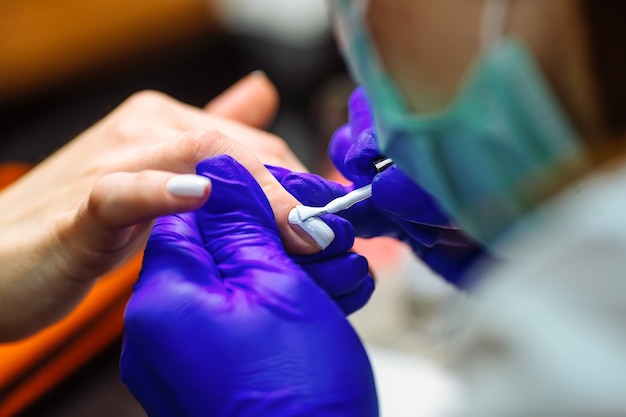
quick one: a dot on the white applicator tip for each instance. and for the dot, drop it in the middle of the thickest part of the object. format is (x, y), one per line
(315, 227)
(306, 218)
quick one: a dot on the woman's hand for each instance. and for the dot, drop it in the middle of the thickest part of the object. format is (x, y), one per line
(88, 207)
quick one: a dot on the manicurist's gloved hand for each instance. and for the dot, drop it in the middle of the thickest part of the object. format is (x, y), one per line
(398, 207)
(222, 322)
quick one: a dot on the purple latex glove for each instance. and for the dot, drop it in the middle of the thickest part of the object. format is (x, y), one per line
(398, 207)
(222, 322)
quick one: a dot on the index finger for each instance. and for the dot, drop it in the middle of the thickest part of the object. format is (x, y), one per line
(183, 153)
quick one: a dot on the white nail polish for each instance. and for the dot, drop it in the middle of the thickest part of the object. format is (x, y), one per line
(315, 227)
(188, 185)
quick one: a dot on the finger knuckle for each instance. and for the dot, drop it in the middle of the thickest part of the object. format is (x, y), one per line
(131, 118)
(274, 149)
(147, 99)
(97, 203)
(126, 128)
(278, 146)
(200, 144)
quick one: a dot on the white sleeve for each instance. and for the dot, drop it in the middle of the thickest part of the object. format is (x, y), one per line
(547, 336)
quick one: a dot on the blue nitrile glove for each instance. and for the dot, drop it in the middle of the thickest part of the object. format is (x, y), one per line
(398, 207)
(222, 322)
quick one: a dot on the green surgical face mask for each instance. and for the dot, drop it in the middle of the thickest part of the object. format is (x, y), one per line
(481, 157)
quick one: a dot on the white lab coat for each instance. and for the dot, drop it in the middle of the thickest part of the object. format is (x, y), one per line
(546, 333)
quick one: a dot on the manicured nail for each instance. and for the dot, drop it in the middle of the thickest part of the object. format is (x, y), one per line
(314, 227)
(188, 185)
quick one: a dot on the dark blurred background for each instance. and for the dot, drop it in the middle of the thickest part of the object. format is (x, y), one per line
(66, 64)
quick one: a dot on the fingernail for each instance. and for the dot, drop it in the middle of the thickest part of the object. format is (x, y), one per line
(258, 72)
(188, 185)
(313, 227)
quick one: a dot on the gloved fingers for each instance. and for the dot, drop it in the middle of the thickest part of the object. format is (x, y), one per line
(183, 153)
(342, 150)
(360, 110)
(455, 237)
(452, 262)
(362, 154)
(364, 149)
(309, 189)
(313, 190)
(338, 147)
(429, 236)
(237, 225)
(353, 147)
(137, 372)
(253, 100)
(339, 275)
(175, 252)
(278, 172)
(397, 194)
(423, 235)
(356, 299)
(343, 241)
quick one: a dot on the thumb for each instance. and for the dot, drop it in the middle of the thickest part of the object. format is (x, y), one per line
(360, 111)
(253, 101)
(338, 147)
(237, 224)
(112, 224)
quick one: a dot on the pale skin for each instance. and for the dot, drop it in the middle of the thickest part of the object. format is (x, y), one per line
(89, 207)
(428, 46)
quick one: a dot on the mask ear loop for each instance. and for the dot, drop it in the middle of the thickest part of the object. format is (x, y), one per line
(493, 23)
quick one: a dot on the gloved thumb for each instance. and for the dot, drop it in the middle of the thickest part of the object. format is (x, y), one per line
(237, 225)
(353, 158)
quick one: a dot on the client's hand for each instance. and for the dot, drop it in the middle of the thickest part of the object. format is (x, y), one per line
(89, 207)
(222, 322)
